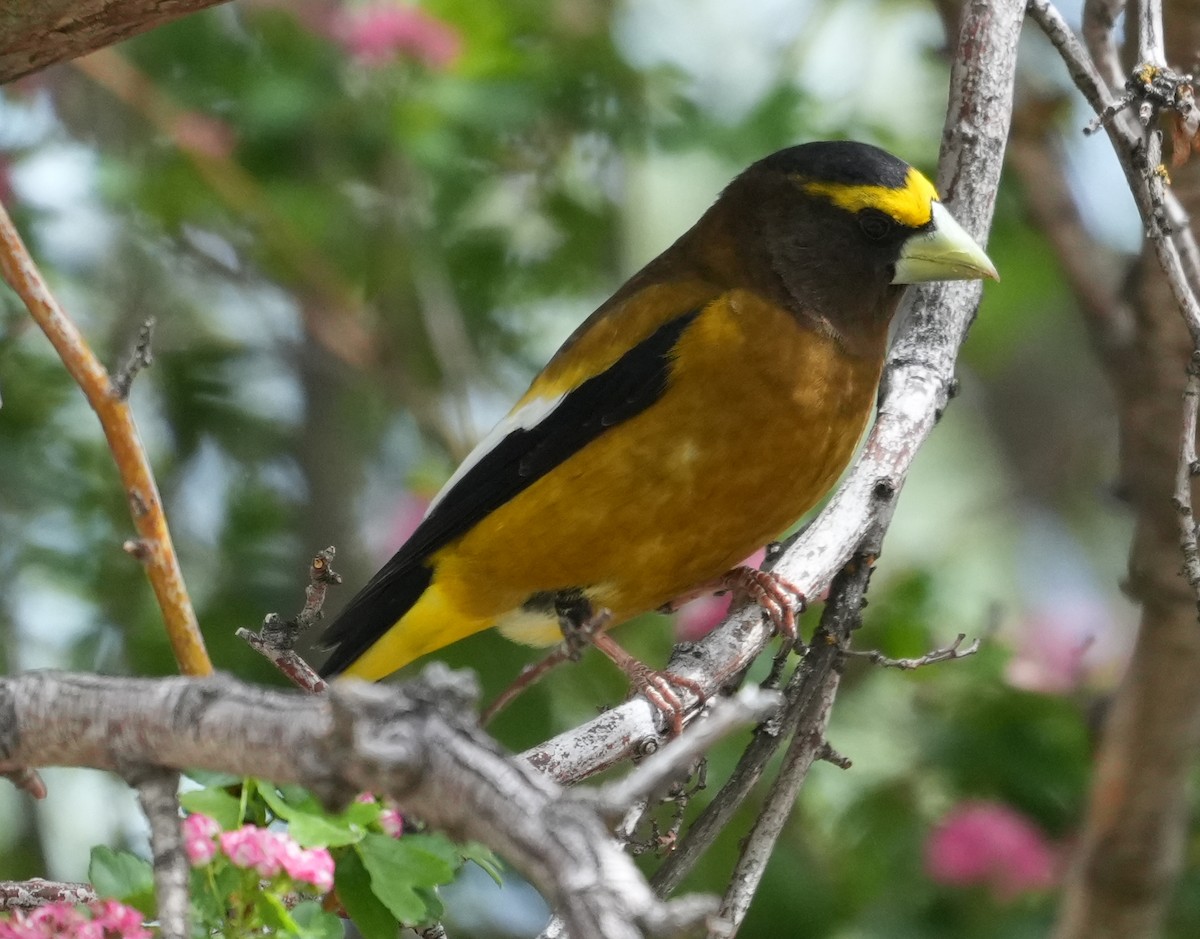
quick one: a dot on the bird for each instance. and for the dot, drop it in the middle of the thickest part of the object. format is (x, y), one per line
(700, 411)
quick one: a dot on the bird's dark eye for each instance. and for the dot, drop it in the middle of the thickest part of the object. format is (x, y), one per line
(875, 224)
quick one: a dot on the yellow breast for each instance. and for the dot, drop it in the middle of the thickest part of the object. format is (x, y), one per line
(760, 417)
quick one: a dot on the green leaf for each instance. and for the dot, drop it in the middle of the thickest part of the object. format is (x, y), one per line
(316, 923)
(275, 800)
(122, 876)
(353, 884)
(434, 910)
(208, 899)
(218, 804)
(399, 866)
(315, 831)
(485, 857)
(436, 846)
(308, 822)
(363, 814)
(288, 802)
(275, 914)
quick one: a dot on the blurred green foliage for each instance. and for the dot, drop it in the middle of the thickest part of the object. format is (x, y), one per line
(356, 262)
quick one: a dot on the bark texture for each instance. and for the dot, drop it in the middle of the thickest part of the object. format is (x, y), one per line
(37, 33)
(1132, 847)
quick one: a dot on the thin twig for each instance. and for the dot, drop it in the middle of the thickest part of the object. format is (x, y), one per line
(799, 715)
(27, 780)
(1186, 472)
(828, 754)
(842, 616)
(1150, 32)
(1099, 31)
(156, 789)
(1172, 242)
(276, 639)
(659, 770)
(529, 676)
(1141, 172)
(156, 551)
(141, 357)
(947, 654)
(289, 662)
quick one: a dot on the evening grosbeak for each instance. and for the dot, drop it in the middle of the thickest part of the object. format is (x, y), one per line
(700, 411)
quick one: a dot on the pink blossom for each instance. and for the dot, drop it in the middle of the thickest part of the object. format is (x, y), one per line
(104, 919)
(311, 866)
(199, 834)
(252, 848)
(696, 619)
(118, 919)
(990, 844)
(270, 852)
(377, 33)
(1051, 648)
(392, 822)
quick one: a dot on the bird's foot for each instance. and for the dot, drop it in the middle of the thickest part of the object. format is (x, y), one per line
(778, 597)
(661, 688)
(583, 626)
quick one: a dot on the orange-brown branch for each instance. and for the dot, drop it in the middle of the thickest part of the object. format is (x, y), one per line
(153, 547)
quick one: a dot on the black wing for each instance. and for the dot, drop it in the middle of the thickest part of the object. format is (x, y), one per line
(629, 386)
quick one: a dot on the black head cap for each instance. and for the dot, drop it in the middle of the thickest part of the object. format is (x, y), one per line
(838, 161)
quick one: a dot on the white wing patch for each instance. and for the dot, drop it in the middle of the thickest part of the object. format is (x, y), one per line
(526, 417)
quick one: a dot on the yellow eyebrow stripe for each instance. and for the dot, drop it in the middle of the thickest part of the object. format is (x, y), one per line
(911, 204)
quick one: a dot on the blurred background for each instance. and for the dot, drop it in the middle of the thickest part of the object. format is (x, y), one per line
(362, 227)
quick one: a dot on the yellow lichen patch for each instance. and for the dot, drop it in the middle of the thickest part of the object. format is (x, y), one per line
(910, 205)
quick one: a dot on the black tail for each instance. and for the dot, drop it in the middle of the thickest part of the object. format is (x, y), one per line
(373, 611)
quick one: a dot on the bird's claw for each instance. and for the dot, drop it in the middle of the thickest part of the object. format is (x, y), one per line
(778, 597)
(660, 689)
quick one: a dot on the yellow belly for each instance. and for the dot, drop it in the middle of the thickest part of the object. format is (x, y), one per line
(760, 418)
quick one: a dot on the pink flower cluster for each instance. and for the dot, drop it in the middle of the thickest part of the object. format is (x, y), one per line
(260, 849)
(377, 33)
(989, 844)
(199, 838)
(104, 919)
(391, 821)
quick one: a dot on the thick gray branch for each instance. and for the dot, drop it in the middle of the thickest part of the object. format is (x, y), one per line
(410, 743)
